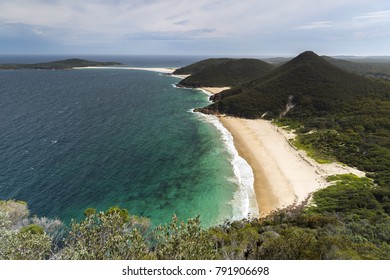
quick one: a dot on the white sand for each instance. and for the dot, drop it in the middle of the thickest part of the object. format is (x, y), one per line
(283, 175)
(213, 90)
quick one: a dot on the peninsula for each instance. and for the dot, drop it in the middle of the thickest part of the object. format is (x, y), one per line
(57, 65)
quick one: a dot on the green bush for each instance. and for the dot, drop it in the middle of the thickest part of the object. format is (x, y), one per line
(183, 241)
(31, 229)
(103, 236)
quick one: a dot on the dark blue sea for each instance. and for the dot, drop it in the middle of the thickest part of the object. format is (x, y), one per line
(75, 139)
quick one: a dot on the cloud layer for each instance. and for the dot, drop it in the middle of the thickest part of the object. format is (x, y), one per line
(212, 26)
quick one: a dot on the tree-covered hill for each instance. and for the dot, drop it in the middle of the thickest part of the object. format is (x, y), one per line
(311, 84)
(57, 65)
(223, 72)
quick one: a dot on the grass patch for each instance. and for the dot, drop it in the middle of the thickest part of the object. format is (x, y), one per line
(349, 194)
(301, 143)
(287, 124)
(312, 152)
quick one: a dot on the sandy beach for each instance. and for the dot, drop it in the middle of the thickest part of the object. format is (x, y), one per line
(214, 90)
(283, 175)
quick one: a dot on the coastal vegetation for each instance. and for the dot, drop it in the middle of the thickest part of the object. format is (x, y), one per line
(349, 226)
(57, 65)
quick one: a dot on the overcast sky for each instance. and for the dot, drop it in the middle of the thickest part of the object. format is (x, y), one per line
(217, 27)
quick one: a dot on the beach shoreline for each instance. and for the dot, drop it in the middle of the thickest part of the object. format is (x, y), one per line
(283, 175)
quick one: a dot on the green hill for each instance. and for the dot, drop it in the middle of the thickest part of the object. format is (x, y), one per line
(308, 82)
(57, 65)
(224, 72)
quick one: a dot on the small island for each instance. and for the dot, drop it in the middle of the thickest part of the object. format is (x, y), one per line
(57, 65)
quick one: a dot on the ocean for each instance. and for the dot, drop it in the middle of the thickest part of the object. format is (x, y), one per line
(75, 139)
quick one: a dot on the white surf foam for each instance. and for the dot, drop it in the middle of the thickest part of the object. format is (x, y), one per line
(244, 202)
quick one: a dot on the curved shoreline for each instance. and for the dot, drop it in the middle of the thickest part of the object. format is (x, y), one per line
(280, 174)
(271, 173)
(244, 202)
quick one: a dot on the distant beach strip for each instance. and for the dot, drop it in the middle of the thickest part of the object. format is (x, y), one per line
(153, 69)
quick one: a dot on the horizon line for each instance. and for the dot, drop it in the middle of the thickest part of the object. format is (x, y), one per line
(200, 55)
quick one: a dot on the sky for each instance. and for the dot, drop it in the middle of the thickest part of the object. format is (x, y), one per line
(195, 27)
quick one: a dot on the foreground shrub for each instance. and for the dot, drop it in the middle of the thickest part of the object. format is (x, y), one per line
(103, 236)
(184, 241)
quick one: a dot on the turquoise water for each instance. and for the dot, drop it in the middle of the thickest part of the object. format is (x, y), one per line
(97, 138)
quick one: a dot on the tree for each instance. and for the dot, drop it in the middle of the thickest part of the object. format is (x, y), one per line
(184, 241)
(105, 235)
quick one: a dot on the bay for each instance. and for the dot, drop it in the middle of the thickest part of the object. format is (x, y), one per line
(98, 138)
